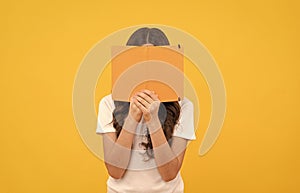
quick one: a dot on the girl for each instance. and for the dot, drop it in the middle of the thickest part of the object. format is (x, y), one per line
(144, 140)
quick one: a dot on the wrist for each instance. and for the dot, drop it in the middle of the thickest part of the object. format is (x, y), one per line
(130, 124)
(153, 124)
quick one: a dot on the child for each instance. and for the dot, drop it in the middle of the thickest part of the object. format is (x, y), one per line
(144, 140)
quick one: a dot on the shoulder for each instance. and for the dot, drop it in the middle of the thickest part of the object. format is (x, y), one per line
(105, 116)
(185, 125)
(107, 102)
(186, 103)
(186, 108)
(107, 98)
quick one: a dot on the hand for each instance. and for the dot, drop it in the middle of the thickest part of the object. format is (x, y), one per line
(134, 111)
(147, 101)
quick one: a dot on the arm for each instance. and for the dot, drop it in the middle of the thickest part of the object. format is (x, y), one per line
(117, 151)
(169, 159)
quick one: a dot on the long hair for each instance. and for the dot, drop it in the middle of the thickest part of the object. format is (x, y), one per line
(168, 111)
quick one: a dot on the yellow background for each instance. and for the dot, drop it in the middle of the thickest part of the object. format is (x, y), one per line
(255, 43)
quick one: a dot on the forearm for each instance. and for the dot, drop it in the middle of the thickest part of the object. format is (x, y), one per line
(167, 162)
(117, 153)
(165, 157)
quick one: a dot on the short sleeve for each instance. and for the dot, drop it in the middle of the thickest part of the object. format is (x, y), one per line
(104, 121)
(185, 126)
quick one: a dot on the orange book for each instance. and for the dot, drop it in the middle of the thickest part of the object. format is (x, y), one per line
(157, 68)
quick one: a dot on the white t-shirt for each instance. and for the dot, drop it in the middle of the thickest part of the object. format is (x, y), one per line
(143, 176)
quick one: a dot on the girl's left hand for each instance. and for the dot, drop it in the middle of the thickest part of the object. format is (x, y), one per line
(149, 103)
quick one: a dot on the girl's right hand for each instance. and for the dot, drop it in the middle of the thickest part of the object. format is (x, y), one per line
(134, 110)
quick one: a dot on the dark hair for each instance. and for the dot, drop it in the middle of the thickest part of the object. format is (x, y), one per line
(168, 111)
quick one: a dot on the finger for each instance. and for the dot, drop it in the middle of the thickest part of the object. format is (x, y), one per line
(140, 106)
(151, 94)
(136, 107)
(155, 97)
(134, 104)
(131, 99)
(143, 102)
(145, 96)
